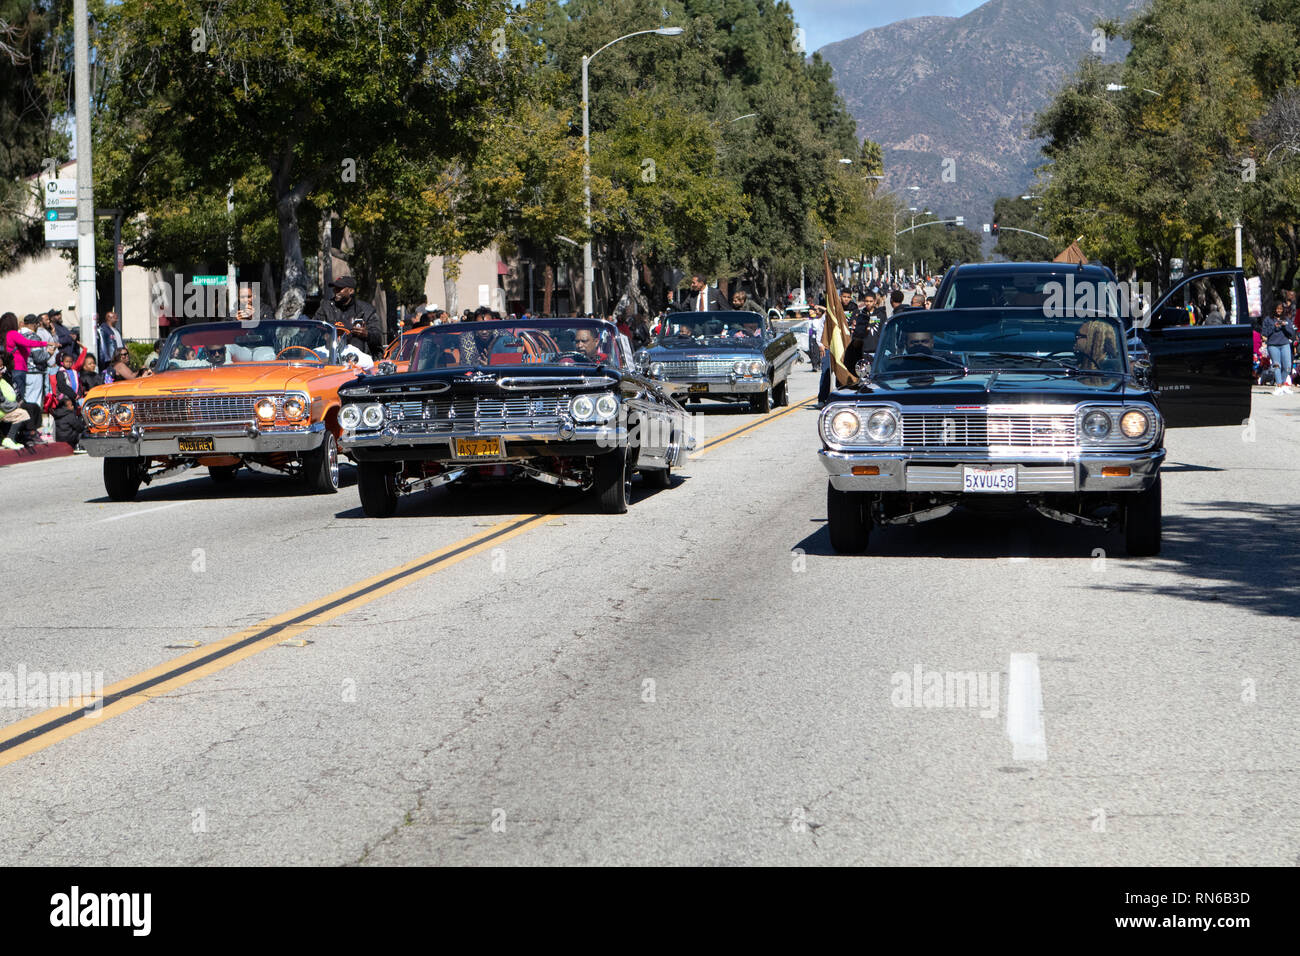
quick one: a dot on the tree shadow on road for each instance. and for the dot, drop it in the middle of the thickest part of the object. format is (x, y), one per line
(507, 498)
(196, 485)
(1231, 553)
(966, 534)
(1235, 553)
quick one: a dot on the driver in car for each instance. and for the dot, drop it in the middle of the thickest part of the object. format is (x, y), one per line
(919, 343)
(587, 342)
(476, 346)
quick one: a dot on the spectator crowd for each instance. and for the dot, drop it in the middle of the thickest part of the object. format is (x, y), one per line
(46, 371)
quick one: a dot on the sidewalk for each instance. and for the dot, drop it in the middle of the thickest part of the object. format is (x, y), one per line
(39, 451)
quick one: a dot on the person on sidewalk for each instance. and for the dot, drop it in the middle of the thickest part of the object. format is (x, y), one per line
(1279, 335)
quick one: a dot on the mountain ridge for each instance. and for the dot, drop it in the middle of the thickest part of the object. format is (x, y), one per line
(935, 88)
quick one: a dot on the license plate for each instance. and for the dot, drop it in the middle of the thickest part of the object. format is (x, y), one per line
(699, 387)
(997, 480)
(479, 447)
(197, 444)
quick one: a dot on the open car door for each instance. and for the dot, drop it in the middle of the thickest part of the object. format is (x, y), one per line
(1200, 342)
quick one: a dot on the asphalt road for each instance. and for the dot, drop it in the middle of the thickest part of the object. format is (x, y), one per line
(698, 681)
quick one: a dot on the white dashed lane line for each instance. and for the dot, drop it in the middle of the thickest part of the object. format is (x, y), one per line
(1025, 709)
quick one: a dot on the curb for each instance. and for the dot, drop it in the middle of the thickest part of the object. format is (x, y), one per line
(38, 452)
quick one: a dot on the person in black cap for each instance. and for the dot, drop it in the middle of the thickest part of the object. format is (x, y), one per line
(347, 310)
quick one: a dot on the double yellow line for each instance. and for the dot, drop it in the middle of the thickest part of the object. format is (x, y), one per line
(736, 433)
(32, 734)
(39, 731)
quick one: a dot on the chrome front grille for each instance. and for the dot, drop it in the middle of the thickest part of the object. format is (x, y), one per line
(694, 368)
(983, 430)
(198, 409)
(463, 414)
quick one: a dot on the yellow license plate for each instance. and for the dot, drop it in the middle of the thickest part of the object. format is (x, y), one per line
(699, 387)
(479, 448)
(197, 444)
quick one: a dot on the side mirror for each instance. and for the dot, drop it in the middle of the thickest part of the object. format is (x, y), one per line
(863, 370)
(385, 368)
(642, 360)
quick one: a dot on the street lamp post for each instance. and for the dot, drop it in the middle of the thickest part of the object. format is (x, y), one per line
(587, 272)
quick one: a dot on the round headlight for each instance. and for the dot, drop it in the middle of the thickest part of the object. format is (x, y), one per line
(740, 367)
(606, 406)
(350, 416)
(1134, 424)
(656, 369)
(124, 413)
(294, 408)
(757, 368)
(845, 425)
(1096, 425)
(882, 424)
(372, 416)
(265, 409)
(97, 414)
(582, 408)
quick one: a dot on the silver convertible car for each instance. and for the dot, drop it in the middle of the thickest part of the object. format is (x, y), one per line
(723, 356)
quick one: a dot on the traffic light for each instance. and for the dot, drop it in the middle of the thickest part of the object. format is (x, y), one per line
(995, 230)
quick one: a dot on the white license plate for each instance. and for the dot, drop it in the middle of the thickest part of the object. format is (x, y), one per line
(997, 480)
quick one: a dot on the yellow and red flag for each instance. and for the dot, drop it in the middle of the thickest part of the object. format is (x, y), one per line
(835, 333)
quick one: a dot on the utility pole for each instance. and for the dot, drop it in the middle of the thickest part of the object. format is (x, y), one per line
(232, 291)
(85, 178)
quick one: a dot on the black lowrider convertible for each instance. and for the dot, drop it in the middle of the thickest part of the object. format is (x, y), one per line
(1019, 406)
(557, 400)
(729, 356)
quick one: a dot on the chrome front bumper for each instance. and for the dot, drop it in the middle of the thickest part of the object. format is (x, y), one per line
(163, 442)
(611, 436)
(942, 472)
(741, 386)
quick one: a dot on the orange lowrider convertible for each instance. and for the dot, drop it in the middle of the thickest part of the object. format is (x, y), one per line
(225, 395)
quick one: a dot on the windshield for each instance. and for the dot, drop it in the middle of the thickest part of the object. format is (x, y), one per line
(234, 343)
(710, 327)
(1006, 339)
(1058, 293)
(476, 344)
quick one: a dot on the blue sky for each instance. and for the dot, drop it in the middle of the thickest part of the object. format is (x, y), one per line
(825, 21)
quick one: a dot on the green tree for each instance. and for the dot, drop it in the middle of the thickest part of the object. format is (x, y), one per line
(312, 108)
(1012, 213)
(775, 121)
(32, 78)
(1161, 168)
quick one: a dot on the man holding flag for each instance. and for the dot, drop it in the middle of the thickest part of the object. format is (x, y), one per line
(835, 338)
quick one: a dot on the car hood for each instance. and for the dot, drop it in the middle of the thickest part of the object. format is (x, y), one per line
(663, 353)
(486, 380)
(1006, 388)
(225, 378)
